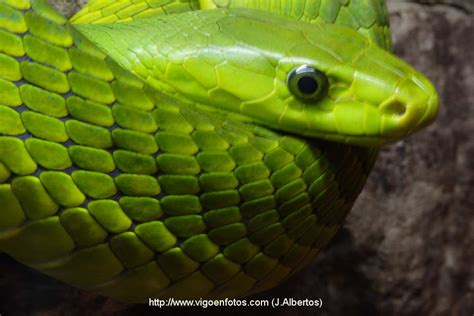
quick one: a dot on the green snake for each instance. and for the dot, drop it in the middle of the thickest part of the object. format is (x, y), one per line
(192, 148)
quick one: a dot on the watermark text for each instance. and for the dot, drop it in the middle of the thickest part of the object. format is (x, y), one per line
(232, 302)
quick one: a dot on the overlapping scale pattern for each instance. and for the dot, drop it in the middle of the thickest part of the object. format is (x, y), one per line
(368, 17)
(104, 11)
(105, 189)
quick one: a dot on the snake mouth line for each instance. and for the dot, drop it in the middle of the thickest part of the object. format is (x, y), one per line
(238, 120)
(361, 141)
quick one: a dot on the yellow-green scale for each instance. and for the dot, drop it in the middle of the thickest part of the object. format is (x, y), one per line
(106, 189)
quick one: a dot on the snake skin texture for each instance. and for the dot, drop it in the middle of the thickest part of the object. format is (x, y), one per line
(368, 17)
(97, 12)
(117, 191)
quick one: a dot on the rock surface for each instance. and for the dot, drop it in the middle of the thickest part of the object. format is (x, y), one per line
(406, 248)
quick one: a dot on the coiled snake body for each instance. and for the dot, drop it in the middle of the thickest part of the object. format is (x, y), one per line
(158, 149)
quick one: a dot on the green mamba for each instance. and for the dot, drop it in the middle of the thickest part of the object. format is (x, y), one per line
(192, 148)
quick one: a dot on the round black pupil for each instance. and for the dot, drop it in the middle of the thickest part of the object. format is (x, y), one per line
(307, 85)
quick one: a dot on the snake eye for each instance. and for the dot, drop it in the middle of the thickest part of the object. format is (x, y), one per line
(307, 83)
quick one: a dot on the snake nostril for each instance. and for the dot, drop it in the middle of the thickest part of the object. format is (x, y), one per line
(395, 108)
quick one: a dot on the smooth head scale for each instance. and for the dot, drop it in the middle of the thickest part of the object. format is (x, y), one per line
(238, 62)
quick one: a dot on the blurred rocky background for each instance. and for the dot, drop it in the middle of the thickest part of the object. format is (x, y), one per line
(408, 245)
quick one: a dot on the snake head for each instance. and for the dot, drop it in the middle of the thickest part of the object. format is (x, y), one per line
(315, 80)
(367, 96)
